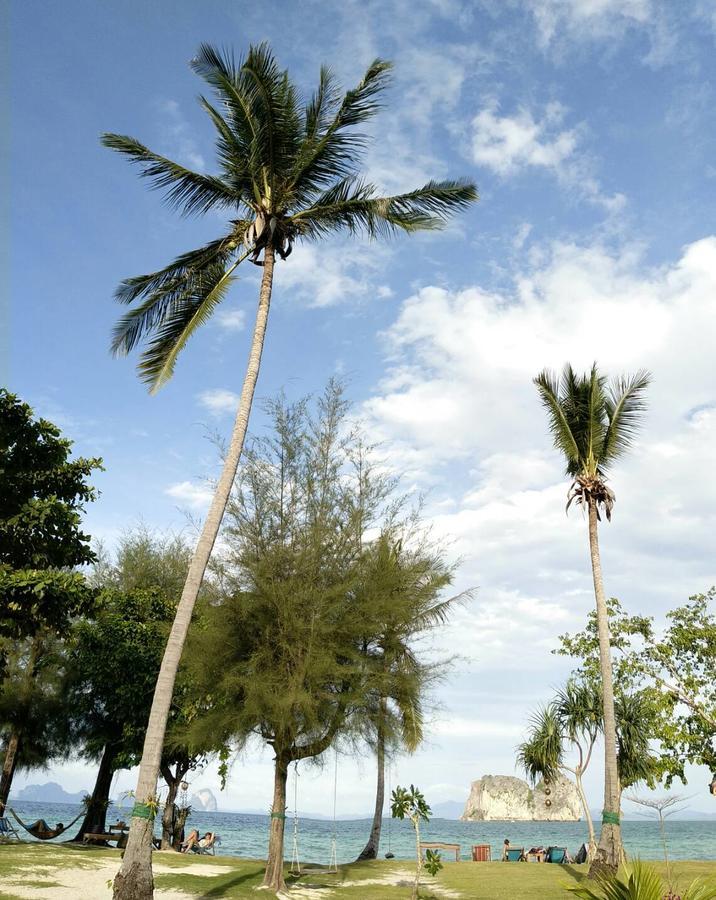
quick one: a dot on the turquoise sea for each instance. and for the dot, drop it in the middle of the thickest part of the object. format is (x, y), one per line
(246, 835)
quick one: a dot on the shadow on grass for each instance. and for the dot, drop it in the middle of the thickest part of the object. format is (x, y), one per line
(219, 890)
(576, 873)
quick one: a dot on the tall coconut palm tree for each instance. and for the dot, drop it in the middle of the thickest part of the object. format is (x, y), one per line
(288, 171)
(593, 424)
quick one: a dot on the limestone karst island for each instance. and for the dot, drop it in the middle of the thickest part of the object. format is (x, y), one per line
(506, 798)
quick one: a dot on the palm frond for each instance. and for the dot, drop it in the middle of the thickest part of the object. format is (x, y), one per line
(592, 418)
(351, 205)
(560, 426)
(632, 881)
(321, 105)
(187, 191)
(233, 154)
(219, 69)
(274, 100)
(163, 288)
(333, 153)
(541, 755)
(625, 404)
(181, 319)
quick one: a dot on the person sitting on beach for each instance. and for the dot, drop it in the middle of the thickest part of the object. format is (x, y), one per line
(505, 848)
(195, 841)
(190, 841)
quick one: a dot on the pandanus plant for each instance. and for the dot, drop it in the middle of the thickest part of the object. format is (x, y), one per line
(288, 171)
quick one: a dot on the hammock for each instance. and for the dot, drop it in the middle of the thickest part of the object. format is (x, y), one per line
(44, 834)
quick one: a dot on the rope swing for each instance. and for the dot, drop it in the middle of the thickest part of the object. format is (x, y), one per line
(295, 860)
(333, 861)
(389, 854)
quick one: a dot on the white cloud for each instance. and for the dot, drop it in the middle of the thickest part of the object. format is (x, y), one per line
(219, 401)
(327, 274)
(589, 18)
(506, 144)
(458, 727)
(231, 319)
(511, 144)
(195, 496)
(460, 413)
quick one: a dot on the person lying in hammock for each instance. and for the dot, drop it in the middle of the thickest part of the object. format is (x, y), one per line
(42, 830)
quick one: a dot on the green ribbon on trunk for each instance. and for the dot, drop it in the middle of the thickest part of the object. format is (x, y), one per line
(142, 811)
(610, 818)
(278, 815)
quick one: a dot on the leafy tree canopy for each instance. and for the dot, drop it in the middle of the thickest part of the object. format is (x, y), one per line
(41, 504)
(674, 671)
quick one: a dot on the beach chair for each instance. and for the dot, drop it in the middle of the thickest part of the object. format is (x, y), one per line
(481, 853)
(515, 854)
(557, 855)
(8, 830)
(208, 849)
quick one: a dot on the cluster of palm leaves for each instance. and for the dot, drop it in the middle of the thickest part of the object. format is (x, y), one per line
(593, 423)
(288, 170)
(638, 881)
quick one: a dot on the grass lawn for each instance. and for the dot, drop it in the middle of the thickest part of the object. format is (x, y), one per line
(59, 872)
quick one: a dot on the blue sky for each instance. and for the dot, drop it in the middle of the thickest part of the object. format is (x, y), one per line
(588, 126)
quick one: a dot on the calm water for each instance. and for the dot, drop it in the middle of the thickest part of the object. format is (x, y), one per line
(246, 835)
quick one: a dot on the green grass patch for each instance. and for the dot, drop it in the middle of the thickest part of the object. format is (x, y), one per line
(34, 864)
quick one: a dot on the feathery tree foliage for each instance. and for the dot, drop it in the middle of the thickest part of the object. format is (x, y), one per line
(291, 654)
(593, 424)
(404, 576)
(288, 170)
(41, 541)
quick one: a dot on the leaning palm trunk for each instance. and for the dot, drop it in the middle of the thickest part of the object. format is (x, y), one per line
(370, 851)
(273, 877)
(609, 851)
(134, 880)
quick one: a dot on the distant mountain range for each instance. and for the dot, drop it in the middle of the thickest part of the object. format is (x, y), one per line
(52, 792)
(49, 792)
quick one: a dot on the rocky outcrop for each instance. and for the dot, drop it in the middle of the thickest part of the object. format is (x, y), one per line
(203, 801)
(506, 798)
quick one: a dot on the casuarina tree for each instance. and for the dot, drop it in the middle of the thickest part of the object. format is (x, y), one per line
(288, 172)
(593, 424)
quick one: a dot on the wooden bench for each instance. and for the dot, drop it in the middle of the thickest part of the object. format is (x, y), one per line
(111, 835)
(436, 845)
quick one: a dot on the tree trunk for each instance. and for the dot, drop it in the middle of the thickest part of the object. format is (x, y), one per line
(419, 866)
(273, 877)
(609, 850)
(134, 880)
(8, 769)
(592, 845)
(370, 851)
(169, 816)
(95, 820)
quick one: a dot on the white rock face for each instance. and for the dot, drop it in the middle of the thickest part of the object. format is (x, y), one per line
(203, 800)
(506, 798)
